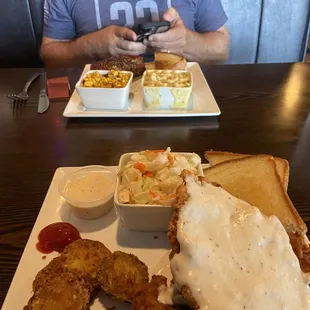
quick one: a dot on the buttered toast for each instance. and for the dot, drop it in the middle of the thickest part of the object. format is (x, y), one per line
(169, 61)
(255, 180)
(217, 157)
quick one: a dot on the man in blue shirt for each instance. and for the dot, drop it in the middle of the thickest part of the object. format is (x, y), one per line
(83, 31)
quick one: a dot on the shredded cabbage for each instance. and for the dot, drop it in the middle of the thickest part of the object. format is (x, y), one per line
(152, 177)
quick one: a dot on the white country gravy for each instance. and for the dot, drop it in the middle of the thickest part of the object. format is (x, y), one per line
(89, 187)
(233, 257)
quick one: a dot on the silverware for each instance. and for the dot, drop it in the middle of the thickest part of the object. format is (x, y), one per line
(23, 96)
(44, 102)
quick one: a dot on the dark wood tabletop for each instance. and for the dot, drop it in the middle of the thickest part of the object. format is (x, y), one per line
(265, 109)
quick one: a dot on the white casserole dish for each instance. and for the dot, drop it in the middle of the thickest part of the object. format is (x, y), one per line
(166, 98)
(143, 217)
(104, 98)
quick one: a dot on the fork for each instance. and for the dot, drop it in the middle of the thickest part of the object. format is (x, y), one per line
(23, 96)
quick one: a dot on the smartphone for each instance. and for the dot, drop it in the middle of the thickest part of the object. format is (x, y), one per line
(147, 29)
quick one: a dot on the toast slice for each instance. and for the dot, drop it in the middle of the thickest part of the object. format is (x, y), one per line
(255, 180)
(169, 61)
(216, 157)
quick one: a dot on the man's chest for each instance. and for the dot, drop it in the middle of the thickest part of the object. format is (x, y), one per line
(91, 15)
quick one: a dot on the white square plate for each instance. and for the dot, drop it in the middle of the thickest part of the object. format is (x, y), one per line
(149, 247)
(201, 102)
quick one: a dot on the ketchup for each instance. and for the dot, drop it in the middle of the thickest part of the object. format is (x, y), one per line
(56, 236)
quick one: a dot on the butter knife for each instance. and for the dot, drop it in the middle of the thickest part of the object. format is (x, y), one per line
(44, 102)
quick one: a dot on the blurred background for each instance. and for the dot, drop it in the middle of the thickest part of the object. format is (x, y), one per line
(262, 31)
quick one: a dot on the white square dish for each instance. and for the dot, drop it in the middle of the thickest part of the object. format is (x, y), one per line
(108, 230)
(141, 217)
(165, 97)
(104, 98)
(201, 101)
(150, 248)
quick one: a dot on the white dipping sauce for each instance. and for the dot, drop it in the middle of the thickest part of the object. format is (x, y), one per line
(235, 258)
(89, 187)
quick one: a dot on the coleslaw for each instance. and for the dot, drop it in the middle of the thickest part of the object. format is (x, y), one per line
(152, 177)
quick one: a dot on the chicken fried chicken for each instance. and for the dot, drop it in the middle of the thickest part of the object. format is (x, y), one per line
(147, 295)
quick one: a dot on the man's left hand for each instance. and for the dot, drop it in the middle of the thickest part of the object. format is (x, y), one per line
(173, 40)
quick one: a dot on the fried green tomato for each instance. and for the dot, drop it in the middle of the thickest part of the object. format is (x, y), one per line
(62, 291)
(48, 273)
(121, 274)
(84, 258)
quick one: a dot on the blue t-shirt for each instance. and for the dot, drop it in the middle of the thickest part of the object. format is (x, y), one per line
(68, 19)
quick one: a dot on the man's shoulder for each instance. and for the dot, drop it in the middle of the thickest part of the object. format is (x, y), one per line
(69, 4)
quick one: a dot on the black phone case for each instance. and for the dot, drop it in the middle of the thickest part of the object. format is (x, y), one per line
(147, 29)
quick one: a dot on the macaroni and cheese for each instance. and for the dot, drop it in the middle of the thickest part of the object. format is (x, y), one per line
(167, 78)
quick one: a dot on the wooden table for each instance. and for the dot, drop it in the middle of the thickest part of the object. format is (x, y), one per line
(265, 109)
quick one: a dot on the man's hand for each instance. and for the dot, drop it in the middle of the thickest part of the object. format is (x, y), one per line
(112, 40)
(118, 41)
(173, 40)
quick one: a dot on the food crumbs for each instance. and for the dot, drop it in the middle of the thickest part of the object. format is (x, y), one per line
(44, 257)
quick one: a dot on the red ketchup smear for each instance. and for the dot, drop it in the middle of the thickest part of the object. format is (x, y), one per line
(56, 237)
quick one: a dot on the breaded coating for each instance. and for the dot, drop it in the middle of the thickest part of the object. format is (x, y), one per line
(187, 294)
(121, 274)
(84, 258)
(146, 297)
(64, 291)
(301, 248)
(181, 199)
(48, 273)
(147, 294)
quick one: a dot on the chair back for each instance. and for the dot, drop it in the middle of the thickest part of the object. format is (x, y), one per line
(264, 31)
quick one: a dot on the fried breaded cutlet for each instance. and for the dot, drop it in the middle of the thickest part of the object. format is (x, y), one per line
(225, 207)
(121, 274)
(147, 295)
(63, 290)
(301, 248)
(181, 199)
(84, 258)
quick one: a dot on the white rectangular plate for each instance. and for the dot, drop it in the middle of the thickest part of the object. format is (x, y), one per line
(202, 102)
(150, 247)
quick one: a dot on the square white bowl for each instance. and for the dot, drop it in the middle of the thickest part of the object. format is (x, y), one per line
(166, 95)
(104, 98)
(143, 217)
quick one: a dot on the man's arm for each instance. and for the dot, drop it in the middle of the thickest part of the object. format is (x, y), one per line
(60, 53)
(209, 47)
(112, 40)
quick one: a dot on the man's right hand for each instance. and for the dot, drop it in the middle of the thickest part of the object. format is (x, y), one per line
(116, 41)
(112, 40)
